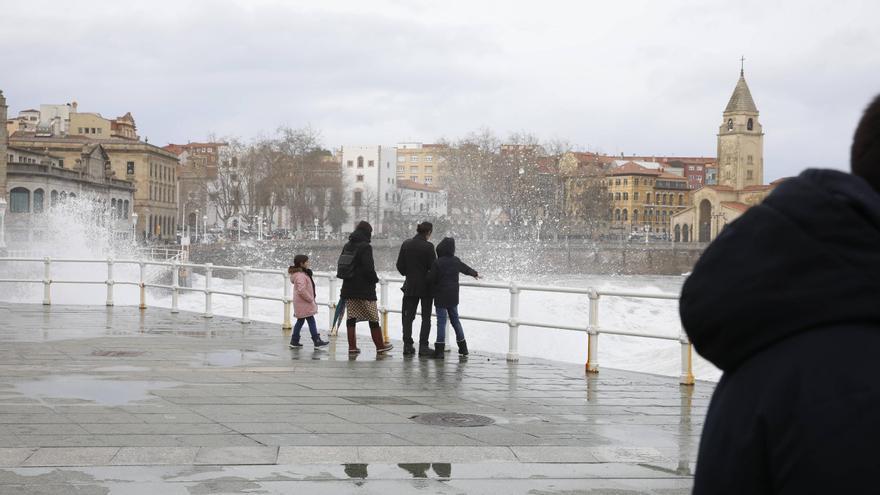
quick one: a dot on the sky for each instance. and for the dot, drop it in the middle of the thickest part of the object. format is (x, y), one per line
(634, 77)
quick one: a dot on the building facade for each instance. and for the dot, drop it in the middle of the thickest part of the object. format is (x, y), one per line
(421, 163)
(643, 200)
(196, 170)
(421, 201)
(369, 181)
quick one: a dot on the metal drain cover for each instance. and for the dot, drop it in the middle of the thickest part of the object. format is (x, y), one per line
(452, 419)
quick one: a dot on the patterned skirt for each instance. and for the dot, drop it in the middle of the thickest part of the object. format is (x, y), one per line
(361, 310)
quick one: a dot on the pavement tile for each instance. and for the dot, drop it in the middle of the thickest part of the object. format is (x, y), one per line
(236, 455)
(71, 456)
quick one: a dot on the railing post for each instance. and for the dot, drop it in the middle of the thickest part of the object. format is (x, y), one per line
(175, 284)
(110, 282)
(687, 369)
(245, 302)
(333, 299)
(286, 325)
(513, 338)
(143, 284)
(209, 275)
(47, 281)
(592, 365)
(383, 284)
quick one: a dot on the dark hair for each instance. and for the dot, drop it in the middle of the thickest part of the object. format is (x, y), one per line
(865, 153)
(425, 228)
(299, 259)
(364, 225)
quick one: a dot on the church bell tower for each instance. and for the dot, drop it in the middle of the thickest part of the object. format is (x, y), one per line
(740, 140)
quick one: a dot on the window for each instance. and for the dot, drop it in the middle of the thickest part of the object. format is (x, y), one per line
(400, 169)
(635, 216)
(371, 163)
(358, 198)
(53, 198)
(626, 196)
(414, 169)
(350, 164)
(429, 169)
(749, 160)
(635, 181)
(401, 158)
(422, 195)
(616, 182)
(19, 200)
(624, 215)
(80, 130)
(414, 178)
(429, 180)
(360, 178)
(749, 174)
(429, 158)
(413, 158)
(729, 124)
(129, 168)
(60, 163)
(617, 215)
(617, 196)
(750, 125)
(648, 198)
(681, 200)
(636, 196)
(39, 195)
(625, 181)
(360, 161)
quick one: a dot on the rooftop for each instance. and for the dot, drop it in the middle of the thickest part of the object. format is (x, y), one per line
(153, 402)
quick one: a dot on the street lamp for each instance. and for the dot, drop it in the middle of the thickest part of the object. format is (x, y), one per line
(205, 225)
(316, 228)
(2, 223)
(134, 222)
(196, 222)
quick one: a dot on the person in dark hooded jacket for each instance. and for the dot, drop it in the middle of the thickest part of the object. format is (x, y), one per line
(359, 291)
(443, 279)
(786, 302)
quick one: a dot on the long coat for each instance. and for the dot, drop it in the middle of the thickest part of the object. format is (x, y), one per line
(363, 284)
(304, 304)
(414, 262)
(443, 277)
(786, 301)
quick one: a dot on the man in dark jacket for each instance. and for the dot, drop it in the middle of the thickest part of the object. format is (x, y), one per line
(786, 301)
(413, 262)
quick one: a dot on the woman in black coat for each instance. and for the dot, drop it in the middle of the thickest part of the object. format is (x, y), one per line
(443, 279)
(359, 289)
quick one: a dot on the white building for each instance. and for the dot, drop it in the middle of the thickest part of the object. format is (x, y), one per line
(369, 180)
(421, 200)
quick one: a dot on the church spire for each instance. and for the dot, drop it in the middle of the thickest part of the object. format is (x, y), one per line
(741, 99)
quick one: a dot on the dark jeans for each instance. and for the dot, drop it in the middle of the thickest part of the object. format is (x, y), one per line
(410, 304)
(313, 329)
(452, 312)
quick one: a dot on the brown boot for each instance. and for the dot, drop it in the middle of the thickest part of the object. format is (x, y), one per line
(352, 338)
(378, 340)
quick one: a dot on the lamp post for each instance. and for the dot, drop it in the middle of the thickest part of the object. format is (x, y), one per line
(205, 225)
(134, 222)
(2, 223)
(196, 222)
(316, 228)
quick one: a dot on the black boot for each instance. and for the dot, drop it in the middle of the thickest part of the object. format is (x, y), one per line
(462, 347)
(425, 350)
(409, 349)
(439, 350)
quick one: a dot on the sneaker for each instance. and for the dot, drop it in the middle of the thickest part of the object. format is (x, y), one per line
(385, 348)
(294, 345)
(320, 343)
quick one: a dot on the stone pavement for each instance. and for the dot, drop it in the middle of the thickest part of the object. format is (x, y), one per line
(115, 400)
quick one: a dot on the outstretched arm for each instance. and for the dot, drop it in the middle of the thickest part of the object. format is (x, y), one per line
(466, 270)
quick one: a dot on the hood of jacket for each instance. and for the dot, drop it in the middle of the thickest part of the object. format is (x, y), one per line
(298, 269)
(446, 247)
(808, 257)
(360, 235)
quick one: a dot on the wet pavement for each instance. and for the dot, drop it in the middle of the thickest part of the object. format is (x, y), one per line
(115, 400)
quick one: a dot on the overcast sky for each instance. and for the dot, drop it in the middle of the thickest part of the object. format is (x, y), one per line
(645, 77)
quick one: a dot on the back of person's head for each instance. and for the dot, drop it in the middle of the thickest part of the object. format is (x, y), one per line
(425, 228)
(365, 226)
(865, 152)
(299, 259)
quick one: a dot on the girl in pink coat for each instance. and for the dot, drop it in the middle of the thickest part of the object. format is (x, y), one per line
(304, 306)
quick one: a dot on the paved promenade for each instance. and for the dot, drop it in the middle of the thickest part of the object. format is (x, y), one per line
(97, 400)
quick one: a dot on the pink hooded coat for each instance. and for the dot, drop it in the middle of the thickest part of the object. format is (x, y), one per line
(304, 304)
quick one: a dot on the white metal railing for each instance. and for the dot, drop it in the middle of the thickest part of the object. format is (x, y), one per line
(513, 322)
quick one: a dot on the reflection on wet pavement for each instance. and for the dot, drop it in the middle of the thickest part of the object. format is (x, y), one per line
(98, 390)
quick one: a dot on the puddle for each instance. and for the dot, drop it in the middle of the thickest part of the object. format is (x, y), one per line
(231, 358)
(105, 392)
